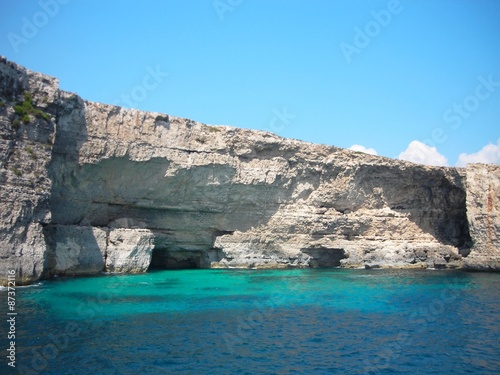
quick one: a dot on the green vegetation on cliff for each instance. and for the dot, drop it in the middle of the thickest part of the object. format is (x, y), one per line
(26, 108)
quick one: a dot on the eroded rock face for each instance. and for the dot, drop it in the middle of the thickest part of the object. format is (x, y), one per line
(483, 207)
(86, 250)
(77, 250)
(129, 250)
(25, 153)
(174, 193)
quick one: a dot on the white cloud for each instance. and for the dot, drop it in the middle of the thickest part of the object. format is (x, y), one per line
(364, 149)
(489, 154)
(418, 152)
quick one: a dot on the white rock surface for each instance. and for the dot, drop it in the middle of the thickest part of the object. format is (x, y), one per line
(483, 207)
(79, 250)
(129, 250)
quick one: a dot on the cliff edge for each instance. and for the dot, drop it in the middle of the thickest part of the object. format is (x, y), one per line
(89, 187)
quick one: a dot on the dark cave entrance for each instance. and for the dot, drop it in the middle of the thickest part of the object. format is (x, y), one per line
(164, 259)
(325, 257)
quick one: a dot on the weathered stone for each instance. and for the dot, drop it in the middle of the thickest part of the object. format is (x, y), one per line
(78, 250)
(129, 250)
(25, 154)
(483, 208)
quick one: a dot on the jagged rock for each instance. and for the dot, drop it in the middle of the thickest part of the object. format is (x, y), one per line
(129, 250)
(85, 250)
(78, 250)
(217, 196)
(25, 154)
(483, 208)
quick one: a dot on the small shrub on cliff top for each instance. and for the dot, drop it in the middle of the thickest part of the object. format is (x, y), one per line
(2, 104)
(213, 129)
(38, 113)
(26, 119)
(20, 110)
(16, 123)
(26, 108)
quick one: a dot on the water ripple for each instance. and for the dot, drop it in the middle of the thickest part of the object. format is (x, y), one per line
(263, 322)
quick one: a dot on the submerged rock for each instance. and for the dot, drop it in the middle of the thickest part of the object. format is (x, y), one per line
(90, 187)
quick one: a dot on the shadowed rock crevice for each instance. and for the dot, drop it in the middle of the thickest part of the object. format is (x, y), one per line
(164, 259)
(433, 199)
(325, 257)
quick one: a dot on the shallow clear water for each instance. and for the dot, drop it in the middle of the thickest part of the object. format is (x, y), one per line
(312, 321)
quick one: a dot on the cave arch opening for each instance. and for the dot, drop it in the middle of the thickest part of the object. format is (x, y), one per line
(166, 259)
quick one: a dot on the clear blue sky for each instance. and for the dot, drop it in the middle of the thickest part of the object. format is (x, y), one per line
(380, 74)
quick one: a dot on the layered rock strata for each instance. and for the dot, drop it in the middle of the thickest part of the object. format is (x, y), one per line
(89, 187)
(483, 208)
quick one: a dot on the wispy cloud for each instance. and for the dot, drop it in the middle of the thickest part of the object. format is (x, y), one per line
(418, 152)
(489, 154)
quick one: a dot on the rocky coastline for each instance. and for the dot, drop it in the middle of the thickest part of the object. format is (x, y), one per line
(88, 188)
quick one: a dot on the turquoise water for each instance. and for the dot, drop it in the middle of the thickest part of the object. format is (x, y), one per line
(311, 321)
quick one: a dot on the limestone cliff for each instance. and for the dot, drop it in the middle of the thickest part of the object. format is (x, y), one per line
(483, 206)
(89, 187)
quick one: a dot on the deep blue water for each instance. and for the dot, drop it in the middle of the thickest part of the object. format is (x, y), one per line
(312, 321)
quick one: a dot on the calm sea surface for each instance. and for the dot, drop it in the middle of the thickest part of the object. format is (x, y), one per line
(313, 321)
